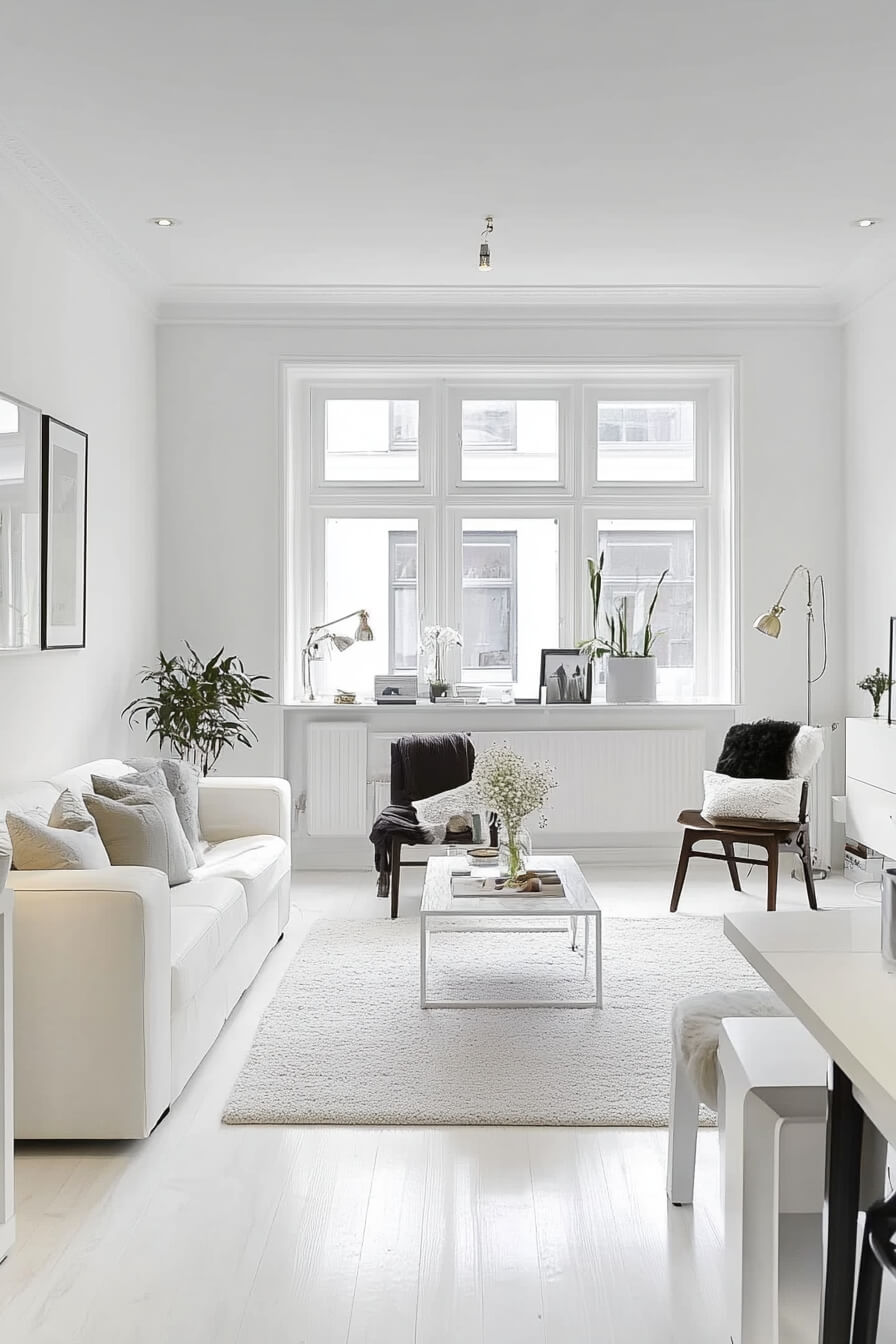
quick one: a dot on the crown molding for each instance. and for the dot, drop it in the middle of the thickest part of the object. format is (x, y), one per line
(497, 306)
(863, 282)
(30, 177)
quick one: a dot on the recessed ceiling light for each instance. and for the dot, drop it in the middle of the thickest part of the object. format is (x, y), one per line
(865, 223)
(163, 221)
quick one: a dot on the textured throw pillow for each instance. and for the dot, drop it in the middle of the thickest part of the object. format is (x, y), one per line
(759, 750)
(727, 799)
(182, 779)
(139, 827)
(69, 839)
(806, 751)
(458, 810)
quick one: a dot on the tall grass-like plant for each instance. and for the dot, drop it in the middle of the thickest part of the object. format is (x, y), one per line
(618, 640)
(198, 707)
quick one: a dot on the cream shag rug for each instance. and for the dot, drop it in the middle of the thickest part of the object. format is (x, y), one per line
(345, 1041)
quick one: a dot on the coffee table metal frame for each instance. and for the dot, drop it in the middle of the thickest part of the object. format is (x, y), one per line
(576, 903)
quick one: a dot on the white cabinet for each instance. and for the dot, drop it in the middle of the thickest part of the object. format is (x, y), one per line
(7, 1214)
(871, 784)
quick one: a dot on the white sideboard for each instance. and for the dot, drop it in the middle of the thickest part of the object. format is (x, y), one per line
(871, 784)
(7, 1208)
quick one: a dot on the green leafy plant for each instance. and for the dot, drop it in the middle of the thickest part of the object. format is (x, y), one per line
(618, 640)
(876, 684)
(197, 708)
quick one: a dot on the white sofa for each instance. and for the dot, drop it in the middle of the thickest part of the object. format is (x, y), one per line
(121, 983)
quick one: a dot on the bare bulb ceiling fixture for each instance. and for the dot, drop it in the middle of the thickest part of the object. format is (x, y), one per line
(485, 256)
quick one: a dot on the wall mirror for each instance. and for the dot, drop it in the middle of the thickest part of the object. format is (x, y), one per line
(20, 506)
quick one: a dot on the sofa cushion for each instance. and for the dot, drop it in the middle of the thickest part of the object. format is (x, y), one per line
(78, 779)
(30, 800)
(206, 920)
(258, 862)
(137, 833)
(69, 839)
(182, 778)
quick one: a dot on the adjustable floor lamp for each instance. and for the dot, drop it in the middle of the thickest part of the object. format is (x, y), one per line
(317, 642)
(769, 623)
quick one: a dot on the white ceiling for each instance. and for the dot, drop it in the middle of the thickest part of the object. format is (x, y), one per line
(360, 142)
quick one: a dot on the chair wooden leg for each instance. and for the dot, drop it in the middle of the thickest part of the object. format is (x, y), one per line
(771, 850)
(732, 864)
(806, 860)
(684, 858)
(396, 875)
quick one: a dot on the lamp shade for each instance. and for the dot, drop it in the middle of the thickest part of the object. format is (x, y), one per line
(363, 634)
(769, 623)
(342, 642)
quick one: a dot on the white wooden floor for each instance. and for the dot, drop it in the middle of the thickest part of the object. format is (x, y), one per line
(205, 1233)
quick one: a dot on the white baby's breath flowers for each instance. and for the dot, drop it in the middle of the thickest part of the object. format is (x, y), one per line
(511, 786)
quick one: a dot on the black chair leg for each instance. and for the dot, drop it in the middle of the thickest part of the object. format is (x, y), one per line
(684, 858)
(808, 875)
(396, 875)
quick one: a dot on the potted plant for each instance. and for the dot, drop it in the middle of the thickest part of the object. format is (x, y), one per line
(435, 642)
(631, 663)
(876, 684)
(511, 787)
(197, 708)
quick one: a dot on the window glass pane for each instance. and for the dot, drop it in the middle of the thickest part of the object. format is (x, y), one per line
(510, 570)
(636, 551)
(510, 440)
(646, 441)
(369, 563)
(371, 440)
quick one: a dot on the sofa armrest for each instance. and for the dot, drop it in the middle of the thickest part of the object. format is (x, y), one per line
(229, 808)
(92, 995)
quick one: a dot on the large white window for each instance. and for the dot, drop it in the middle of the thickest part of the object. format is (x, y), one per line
(472, 499)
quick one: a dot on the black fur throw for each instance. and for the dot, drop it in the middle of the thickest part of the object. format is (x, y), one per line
(759, 750)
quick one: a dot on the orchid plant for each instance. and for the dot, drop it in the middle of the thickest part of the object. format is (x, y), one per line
(434, 642)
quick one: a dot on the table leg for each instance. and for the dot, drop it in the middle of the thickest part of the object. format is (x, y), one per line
(598, 960)
(423, 954)
(841, 1215)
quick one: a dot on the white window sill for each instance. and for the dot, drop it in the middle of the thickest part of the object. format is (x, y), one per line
(447, 708)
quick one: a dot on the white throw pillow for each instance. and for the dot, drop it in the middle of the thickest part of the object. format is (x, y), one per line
(729, 799)
(449, 809)
(805, 753)
(69, 839)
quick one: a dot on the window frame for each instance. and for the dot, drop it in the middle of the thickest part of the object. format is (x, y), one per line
(506, 537)
(322, 392)
(456, 393)
(439, 500)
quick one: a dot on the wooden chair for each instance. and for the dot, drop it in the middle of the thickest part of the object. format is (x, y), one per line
(775, 837)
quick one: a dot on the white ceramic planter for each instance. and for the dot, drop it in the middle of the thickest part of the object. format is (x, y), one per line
(631, 680)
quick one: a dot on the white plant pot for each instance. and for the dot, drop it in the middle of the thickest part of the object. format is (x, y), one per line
(631, 680)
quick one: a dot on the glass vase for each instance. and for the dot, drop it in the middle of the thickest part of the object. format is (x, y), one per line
(514, 851)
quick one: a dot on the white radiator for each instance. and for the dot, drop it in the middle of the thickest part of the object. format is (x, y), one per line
(336, 780)
(615, 781)
(381, 796)
(821, 788)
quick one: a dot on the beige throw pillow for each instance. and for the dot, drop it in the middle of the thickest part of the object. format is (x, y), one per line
(68, 839)
(182, 778)
(139, 828)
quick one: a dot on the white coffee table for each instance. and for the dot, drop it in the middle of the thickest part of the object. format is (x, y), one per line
(577, 902)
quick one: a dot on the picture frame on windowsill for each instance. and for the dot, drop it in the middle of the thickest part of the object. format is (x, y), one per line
(565, 677)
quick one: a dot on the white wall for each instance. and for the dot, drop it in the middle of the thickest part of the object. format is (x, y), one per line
(75, 342)
(220, 426)
(870, 458)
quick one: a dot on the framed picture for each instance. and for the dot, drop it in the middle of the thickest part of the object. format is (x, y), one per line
(565, 677)
(890, 669)
(400, 689)
(20, 505)
(63, 535)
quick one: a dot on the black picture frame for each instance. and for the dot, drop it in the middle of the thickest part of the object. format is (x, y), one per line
(560, 656)
(890, 669)
(63, 621)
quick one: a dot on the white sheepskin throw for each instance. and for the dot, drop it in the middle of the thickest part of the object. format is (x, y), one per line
(729, 799)
(695, 1032)
(806, 751)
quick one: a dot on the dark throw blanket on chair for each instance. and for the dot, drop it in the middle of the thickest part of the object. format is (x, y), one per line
(759, 750)
(421, 766)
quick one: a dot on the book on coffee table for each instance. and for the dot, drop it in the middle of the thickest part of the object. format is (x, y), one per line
(464, 884)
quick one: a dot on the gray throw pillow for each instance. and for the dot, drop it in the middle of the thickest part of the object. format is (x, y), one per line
(69, 839)
(182, 778)
(150, 838)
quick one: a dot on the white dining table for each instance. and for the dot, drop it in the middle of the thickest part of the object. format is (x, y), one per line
(827, 967)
